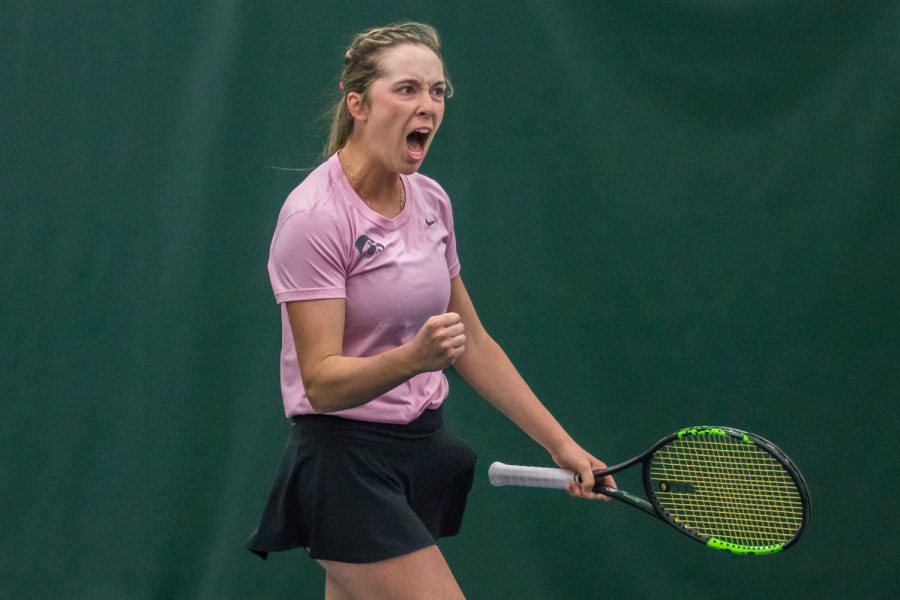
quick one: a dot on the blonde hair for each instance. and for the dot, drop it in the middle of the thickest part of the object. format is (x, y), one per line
(362, 66)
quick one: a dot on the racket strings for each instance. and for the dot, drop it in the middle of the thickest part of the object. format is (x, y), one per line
(723, 487)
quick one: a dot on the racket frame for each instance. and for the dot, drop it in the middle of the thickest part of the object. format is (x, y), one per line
(652, 504)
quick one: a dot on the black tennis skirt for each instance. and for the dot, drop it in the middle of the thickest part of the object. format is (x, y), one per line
(360, 492)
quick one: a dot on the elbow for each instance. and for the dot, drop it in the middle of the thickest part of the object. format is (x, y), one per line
(321, 409)
(314, 403)
(474, 357)
(317, 400)
(322, 391)
(323, 401)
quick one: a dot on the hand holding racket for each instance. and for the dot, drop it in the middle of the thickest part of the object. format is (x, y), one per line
(723, 487)
(582, 465)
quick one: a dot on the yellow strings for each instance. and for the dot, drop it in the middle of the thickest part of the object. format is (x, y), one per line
(735, 492)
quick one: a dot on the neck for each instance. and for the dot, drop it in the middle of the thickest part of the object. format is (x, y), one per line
(380, 188)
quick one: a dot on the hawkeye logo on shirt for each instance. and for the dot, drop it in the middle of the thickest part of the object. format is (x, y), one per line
(368, 246)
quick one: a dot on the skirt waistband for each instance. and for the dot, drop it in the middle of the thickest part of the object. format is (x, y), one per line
(429, 422)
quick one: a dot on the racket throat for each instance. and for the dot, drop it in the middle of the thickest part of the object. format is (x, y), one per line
(629, 499)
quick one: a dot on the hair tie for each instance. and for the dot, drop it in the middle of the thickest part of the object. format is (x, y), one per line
(341, 84)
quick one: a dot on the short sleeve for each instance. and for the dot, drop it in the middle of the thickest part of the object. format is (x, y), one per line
(453, 266)
(306, 260)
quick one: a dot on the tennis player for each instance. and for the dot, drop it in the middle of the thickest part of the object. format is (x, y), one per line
(363, 263)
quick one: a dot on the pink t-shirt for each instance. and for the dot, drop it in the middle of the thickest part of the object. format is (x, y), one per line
(393, 273)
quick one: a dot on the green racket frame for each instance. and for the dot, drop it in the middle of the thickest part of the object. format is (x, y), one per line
(660, 489)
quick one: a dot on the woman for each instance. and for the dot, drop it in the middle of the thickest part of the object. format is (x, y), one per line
(364, 264)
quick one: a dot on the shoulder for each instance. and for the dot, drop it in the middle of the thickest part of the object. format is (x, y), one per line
(317, 192)
(316, 200)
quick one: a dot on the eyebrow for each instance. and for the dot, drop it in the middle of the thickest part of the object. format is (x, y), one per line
(411, 81)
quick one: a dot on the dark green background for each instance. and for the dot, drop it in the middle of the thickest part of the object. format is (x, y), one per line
(669, 213)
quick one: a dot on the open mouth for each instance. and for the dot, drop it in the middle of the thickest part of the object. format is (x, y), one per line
(415, 142)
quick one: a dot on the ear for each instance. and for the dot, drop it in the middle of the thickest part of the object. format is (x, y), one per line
(356, 104)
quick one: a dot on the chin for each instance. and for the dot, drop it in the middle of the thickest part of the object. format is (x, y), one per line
(408, 166)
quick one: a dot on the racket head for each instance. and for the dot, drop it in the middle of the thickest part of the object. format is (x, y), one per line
(727, 488)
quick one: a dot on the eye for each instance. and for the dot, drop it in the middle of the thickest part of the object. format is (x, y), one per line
(438, 91)
(407, 89)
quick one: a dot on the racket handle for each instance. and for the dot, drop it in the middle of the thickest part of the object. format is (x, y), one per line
(501, 474)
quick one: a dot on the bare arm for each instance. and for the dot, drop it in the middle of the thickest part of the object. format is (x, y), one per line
(336, 382)
(487, 368)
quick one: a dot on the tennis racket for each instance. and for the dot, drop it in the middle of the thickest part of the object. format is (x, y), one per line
(723, 487)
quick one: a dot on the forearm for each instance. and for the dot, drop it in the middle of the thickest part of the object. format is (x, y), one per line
(487, 368)
(336, 382)
(341, 382)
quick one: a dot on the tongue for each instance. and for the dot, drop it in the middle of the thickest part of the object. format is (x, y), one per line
(414, 146)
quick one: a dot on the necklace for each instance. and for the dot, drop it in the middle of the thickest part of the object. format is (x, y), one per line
(355, 185)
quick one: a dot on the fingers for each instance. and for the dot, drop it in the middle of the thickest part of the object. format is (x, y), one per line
(587, 479)
(455, 335)
(448, 332)
(442, 341)
(609, 482)
(576, 491)
(584, 487)
(444, 320)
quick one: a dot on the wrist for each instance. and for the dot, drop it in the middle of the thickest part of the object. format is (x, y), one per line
(560, 443)
(406, 359)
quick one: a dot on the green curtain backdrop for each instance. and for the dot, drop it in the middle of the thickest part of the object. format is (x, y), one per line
(669, 213)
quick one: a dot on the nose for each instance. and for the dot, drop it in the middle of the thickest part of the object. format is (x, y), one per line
(426, 104)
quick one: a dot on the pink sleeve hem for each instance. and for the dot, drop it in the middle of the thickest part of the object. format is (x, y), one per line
(317, 294)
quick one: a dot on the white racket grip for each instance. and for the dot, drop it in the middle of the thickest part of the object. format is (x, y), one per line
(501, 474)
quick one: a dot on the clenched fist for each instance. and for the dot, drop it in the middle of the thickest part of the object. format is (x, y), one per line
(440, 342)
